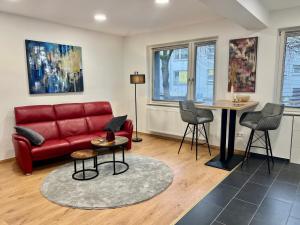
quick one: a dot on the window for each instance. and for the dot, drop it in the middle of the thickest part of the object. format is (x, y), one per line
(180, 77)
(181, 54)
(296, 68)
(205, 71)
(166, 67)
(184, 71)
(290, 92)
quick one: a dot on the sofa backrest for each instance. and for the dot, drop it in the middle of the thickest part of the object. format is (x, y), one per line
(64, 120)
(40, 118)
(98, 114)
(71, 119)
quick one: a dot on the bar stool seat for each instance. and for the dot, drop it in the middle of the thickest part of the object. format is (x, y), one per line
(202, 118)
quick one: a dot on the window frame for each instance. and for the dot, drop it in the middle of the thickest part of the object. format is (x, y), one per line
(282, 37)
(191, 45)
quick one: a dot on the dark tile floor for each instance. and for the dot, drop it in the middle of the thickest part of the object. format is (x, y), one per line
(252, 196)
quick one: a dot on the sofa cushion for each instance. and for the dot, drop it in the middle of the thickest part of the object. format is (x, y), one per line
(98, 123)
(48, 130)
(118, 133)
(97, 108)
(34, 137)
(72, 127)
(69, 111)
(50, 149)
(36, 113)
(81, 141)
(100, 134)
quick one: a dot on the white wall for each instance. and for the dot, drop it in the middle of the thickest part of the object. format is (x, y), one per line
(136, 59)
(102, 57)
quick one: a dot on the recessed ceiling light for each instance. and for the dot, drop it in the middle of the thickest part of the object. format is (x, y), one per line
(100, 17)
(162, 2)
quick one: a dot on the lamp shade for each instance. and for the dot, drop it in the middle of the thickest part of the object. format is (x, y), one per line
(137, 78)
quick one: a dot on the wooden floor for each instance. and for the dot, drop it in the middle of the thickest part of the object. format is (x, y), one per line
(22, 203)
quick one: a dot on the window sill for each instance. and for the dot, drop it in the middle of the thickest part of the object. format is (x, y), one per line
(165, 104)
(292, 112)
(171, 104)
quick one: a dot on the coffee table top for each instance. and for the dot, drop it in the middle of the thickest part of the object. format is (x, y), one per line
(84, 154)
(102, 142)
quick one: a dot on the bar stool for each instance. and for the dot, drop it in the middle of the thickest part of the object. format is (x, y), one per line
(195, 117)
(268, 118)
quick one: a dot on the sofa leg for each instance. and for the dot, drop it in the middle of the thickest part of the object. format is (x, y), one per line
(26, 168)
(128, 146)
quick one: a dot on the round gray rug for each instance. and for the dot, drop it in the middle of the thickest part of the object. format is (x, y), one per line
(146, 178)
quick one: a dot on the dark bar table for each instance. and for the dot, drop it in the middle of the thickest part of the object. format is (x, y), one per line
(227, 160)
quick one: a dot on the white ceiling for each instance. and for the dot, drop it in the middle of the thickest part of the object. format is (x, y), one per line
(124, 17)
(280, 4)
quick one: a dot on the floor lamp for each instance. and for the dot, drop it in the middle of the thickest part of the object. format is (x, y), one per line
(135, 79)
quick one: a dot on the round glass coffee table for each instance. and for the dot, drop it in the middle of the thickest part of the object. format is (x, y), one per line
(118, 143)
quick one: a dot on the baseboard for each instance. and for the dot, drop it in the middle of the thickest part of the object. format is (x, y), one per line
(172, 137)
(7, 160)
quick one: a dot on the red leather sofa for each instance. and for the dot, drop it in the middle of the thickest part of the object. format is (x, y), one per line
(65, 127)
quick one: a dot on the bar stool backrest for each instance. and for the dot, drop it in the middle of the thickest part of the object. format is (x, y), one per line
(271, 116)
(188, 111)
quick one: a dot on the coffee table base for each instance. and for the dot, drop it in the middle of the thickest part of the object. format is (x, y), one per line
(83, 174)
(114, 162)
(83, 155)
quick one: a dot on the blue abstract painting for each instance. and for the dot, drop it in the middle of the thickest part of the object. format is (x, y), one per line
(53, 68)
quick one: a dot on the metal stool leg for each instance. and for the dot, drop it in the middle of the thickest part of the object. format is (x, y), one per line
(248, 147)
(183, 137)
(75, 170)
(123, 154)
(83, 170)
(193, 137)
(206, 138)
(114, 161)
(270, 147)
(95, 163)
(196, 142)
(267, 150)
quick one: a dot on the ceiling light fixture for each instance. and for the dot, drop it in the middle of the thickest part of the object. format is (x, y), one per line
(100, 17)
(162, 2)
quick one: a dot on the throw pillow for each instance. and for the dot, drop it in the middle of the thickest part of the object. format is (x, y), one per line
(34, 137)
(116, 123)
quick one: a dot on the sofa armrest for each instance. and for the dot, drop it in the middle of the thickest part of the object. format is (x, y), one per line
(23, 155)
(128, 126)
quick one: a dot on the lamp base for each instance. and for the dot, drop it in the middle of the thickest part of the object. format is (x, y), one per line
(137, 139)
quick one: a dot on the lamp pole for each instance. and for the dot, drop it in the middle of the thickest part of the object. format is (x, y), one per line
(135, 79)
(136, 119)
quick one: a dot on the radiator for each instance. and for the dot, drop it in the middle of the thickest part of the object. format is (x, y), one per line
(167, 120)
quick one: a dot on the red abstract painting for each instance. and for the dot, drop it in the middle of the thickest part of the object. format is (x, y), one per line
(242, 64)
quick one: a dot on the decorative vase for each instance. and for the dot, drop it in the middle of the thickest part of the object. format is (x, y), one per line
(233, 95)
(110, 136)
